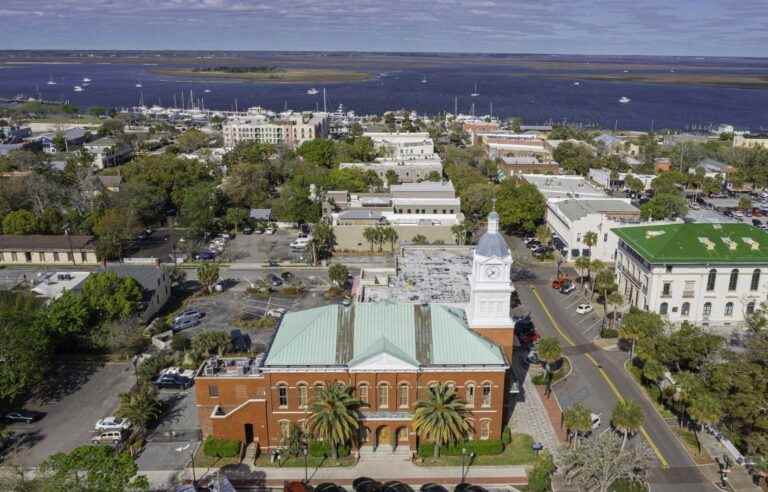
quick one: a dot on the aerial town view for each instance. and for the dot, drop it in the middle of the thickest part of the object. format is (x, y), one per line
(454, 246)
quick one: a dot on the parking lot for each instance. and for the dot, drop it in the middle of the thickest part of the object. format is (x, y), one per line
(171, 444)
(589, 324)
(260, 248)
(83, 395)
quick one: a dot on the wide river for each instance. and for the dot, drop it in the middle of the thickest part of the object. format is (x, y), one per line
(529, 94)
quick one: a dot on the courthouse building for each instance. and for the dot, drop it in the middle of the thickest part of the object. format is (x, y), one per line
(391, 353)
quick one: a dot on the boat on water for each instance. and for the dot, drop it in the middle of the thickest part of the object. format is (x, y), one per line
(207, 91)
(50, 81)
(624, 100)
(475, 93)
(86, 79)
(138, 84)
(577, 83)
(424, 80)
(78, 88)
(312, 91)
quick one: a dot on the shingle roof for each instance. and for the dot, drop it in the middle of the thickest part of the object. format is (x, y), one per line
(361, 214)
(39, 242)
(697, 243)
(418, 334)
(577, 209)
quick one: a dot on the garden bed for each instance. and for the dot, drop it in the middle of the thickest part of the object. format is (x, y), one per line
(519, 451)
(688, 438)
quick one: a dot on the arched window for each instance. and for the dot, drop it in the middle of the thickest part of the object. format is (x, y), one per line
(470, 394)
(751, 308)
(282, 395)
(303, 395)
(663, 309)
(285, 429)
(363, 392)
(383, 396)
(486, 395)
(402, 396)
(485, 430)
(755, 279)
(319, 387)
(707, 308)
(711, 280)
(685, 309)
(729, 309)
(734, 279)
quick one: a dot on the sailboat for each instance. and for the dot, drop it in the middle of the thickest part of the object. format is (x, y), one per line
(424, 80)
(50, 80)
(624, 100)
(86, 79)
(138, 84)
(78, 88)
(475, 94)
(577, 83)
(312, 91)
(207, 91)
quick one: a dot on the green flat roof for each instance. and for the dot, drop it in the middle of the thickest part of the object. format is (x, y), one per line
(697, 243)
(420, 335)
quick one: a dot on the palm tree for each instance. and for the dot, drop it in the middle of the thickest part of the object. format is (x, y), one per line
(582, 265)
(543, 234)
(550, 352)
(577, 420)
(141, 406)
(389, 234)
(371, 234)
(604, 283)
(335, 416)
(590, 239)
(442, 418)
(653, 370)
(627, 418)
(460, 232)
(615, 299)
(704, 408)
(595, 266)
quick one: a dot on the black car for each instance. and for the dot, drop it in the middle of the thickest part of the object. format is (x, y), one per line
(286, 276)
(274, 280)
(22, 416)
(756, 222)
(247, 230)
(172, 381)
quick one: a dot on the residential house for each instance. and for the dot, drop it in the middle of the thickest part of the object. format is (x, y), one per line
(47, 250)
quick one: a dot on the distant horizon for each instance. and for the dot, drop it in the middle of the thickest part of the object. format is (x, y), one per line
(378, 52)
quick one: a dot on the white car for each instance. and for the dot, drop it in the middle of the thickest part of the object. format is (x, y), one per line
(595, 420)
(113, 423)
(269, 230)
(277, 312)
(584, 308)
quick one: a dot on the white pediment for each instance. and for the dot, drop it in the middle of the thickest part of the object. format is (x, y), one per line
(382, 362)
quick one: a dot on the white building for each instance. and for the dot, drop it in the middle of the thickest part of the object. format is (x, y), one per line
(563, 186)
(52, 285)
(408, 171)
(403, 146)
(108, 152)
(571, 219)
(709, 274)
(603, 178)
(289, 128)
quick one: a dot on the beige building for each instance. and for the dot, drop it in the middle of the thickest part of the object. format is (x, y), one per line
(408, 171)
(403, 146)
(749, 140)
(47, 250)
(289, 128)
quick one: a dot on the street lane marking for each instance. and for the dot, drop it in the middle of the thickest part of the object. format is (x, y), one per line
(601, 371)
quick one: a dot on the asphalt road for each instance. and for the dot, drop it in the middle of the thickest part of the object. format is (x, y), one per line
(599, 378)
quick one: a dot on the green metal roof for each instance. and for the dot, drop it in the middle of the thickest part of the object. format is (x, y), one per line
(697, 243)
(420, 335)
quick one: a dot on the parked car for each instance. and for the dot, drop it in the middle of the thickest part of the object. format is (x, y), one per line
(172, 381)
(274, 280)
(188, 314)
(21, 416)
(533, 244)
(247, 230)
(113, 423)
(108, 437)
(206, 255)
(277, 312)
(756, 222)
(273, 262)
(184, 324)
(584, 308)
(258, 230)
(269, 230)
(567, 288)
(286, 276)
(533, 357)
(526, 332)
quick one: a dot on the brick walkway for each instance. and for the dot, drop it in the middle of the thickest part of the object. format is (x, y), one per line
(532, 416)
(554, 413)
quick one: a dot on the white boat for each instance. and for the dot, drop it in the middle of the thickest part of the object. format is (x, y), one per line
(78, 89)
(86, 79)
(138, 84)
(424, 80)
(50, 81)
(312, 91)
(577, 83)
(475, 94)
(626, 71)
(624, 100)
(207, 91)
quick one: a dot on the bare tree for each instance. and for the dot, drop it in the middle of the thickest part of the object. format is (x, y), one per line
(600, 461)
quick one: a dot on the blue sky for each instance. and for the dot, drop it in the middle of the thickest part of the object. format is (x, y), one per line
(662, 27)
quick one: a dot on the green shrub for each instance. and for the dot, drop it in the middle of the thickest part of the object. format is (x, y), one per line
(540, 475)
(624, 485)
(489, 447)
(221, 448)
(506, 436)
(539, 379)
(180, 343)
(320, 449)
(609, 333)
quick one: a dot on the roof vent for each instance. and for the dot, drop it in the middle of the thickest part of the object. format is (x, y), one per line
(754, 245)
(652, 234)
(730, 242)
(707, 243)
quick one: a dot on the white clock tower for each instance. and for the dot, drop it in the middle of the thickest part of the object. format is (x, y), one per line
(490, 283)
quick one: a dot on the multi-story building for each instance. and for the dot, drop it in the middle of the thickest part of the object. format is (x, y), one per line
(708, 274)
(428, 209)
(510, 144)
(609, 181)
(108, 152)
(390, 353)
(289, 128)
(751, 140)
(407, 171)
(563, 186)
(571, 219)
(72, 137)
(403, 146)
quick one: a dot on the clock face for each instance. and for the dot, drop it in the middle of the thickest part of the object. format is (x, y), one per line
(492, 272)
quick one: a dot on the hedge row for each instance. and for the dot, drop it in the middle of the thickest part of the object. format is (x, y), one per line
(221, 448)
(491, 446)
(320, 449)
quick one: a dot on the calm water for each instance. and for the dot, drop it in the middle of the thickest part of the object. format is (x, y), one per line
(512, 92)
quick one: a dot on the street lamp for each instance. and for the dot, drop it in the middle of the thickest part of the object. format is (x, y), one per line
(305, 452)
(463, 468)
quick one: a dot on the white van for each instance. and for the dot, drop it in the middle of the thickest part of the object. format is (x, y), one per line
(109, 437)
(300, 243)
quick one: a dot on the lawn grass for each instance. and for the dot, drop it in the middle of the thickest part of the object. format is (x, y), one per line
(298, 462)
(691, 444)
(518, 452)
(653, 393)
(565, 368)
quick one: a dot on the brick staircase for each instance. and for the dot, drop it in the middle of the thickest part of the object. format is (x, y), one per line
(385, 454)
